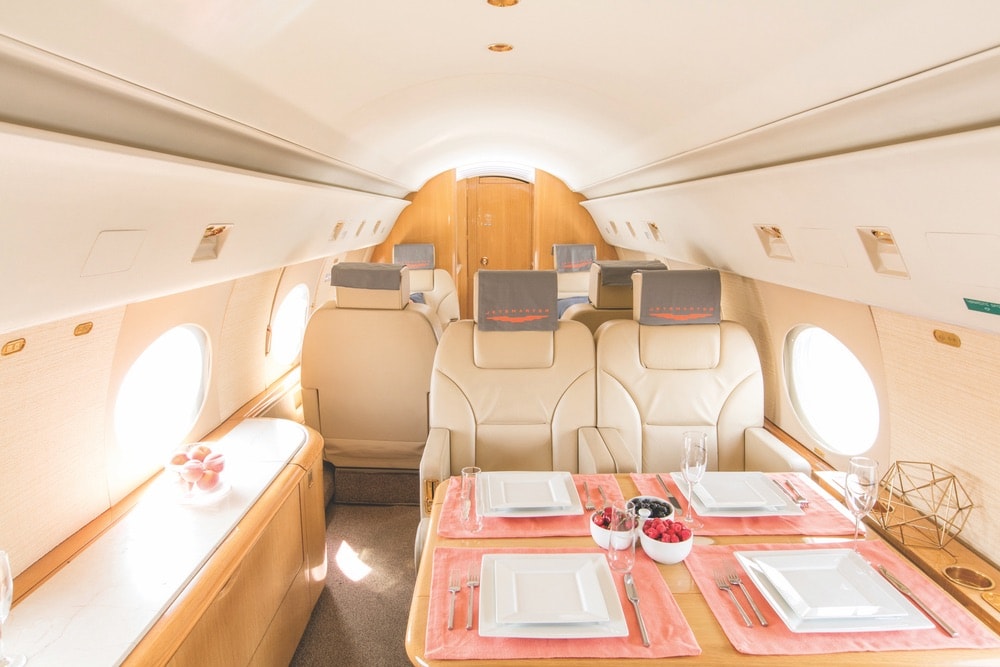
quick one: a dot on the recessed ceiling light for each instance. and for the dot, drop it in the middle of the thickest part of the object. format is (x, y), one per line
(502, 3)
(500, 47)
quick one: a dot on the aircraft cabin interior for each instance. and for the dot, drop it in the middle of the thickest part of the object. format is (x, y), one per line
(499, 332)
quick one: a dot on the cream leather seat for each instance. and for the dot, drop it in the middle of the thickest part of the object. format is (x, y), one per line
(366, 368)
(511, 388)
(609, 290)
(677, 367)
(428, 284)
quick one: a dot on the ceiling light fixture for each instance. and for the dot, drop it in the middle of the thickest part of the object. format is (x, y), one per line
(502, 3)
(500, 47)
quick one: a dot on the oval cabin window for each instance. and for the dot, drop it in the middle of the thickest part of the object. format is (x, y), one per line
(163, 392)
(831, 391)
(288, 325)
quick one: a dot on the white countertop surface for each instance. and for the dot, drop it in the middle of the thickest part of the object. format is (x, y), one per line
(99, 606)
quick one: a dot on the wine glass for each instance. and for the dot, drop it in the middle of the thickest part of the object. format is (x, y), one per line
(6, 598)
(472, 520)
(861, 489)
(693, 468)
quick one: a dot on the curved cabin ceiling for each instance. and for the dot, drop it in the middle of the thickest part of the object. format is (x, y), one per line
(381, 95)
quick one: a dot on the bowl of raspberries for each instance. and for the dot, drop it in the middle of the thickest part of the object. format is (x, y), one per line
(665, 540)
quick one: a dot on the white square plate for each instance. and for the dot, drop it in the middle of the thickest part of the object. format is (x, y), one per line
(526, 494)
(548, 590)
(558, 595)
(829, 590)
(738, 494)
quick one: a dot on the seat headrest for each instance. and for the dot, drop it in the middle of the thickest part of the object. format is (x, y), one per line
(420, 260)
(573, 257)
(677, 297)
(371, 286)
(515, 300)
(416, 256)
(611, 281)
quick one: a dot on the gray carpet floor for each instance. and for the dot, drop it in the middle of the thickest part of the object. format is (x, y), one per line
(363, 623)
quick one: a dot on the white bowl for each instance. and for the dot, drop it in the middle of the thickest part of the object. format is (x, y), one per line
(665, 509)
(667, 553)
(600, 534)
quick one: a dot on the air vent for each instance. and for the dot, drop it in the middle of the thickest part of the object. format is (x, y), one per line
(212, 240)
(882, 251)
(774, 243)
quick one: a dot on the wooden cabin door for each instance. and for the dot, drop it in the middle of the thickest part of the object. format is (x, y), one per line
(499, 214)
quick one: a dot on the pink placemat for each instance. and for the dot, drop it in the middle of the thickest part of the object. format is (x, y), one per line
(822, 517)
(450, 524)
(777, 639)
(669, 633)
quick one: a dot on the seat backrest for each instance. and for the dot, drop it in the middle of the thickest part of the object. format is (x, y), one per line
(676, 367)
(428, 285)
(514, 385)
(366, 368)
(609, 291)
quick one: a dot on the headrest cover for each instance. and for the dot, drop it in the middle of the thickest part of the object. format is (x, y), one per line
(611, 282)
(619, 271)
(365, 275)
(416, 256)
(677, 297)
(516, 300)
(573, 257)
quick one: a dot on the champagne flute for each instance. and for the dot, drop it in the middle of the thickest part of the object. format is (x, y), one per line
(6, 599)
(693, 468)
(472, 520)
(861, 489)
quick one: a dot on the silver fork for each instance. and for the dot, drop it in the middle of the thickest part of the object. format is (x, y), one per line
(472, 580)
(454, 586)
(735, 580)
(723, 583)
(586, 492)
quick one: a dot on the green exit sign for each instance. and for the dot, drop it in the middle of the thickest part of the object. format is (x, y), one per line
(983, 306)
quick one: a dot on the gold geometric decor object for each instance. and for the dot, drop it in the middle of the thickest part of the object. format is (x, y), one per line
(922, 504)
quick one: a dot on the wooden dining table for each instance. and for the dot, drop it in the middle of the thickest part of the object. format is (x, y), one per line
(715, 646)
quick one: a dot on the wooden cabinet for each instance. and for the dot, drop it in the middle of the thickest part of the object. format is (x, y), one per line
(253, 598)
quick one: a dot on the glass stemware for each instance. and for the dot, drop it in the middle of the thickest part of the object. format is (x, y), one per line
(6, 599)
(693, 465)
(860, 489)
(621, 542)
(472, 520)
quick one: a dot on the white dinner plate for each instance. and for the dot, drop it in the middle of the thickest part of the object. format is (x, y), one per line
(549, 590)
(829, 590)
(738, 494)
(527, 494)
(552, 596)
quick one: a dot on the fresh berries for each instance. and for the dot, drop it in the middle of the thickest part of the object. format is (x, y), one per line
(666, 530)
(603, 518)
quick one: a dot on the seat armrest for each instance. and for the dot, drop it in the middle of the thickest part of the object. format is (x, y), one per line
(763, 451)
(435, 465)
(602, 450)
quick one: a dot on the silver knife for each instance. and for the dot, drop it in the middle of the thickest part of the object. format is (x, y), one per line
(905, 590)
(670, 496)
(604, 498)
(634, 599)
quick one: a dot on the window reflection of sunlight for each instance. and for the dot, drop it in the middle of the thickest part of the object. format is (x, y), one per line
(350, 563)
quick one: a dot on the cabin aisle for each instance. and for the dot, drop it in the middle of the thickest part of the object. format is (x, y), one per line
(363, 622)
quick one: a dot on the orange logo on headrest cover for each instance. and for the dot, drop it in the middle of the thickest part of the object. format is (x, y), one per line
(681, 313)
(575, 265)
(518, 316)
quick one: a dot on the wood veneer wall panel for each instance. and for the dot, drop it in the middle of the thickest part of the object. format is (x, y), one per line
(53, 478)
(559, 218)
(945, 410)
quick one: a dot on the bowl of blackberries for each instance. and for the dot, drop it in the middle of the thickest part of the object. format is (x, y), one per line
(658, 508)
